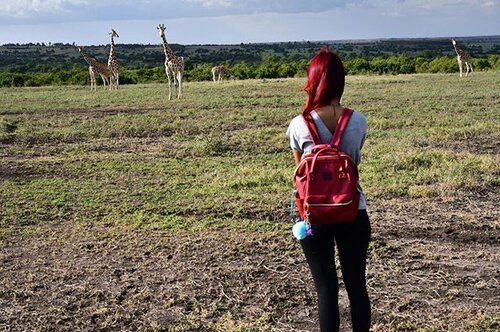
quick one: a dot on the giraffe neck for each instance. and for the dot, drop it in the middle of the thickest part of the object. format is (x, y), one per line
(457, 50)
(97, 66)
(169, 54)
(111, 51)
(88, 59)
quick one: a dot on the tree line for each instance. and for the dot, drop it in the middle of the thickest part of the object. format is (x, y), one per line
(270, 66)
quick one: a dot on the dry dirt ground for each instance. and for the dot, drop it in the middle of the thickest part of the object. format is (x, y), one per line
(434, 265)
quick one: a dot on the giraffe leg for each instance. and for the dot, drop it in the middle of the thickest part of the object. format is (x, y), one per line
(103, 81)
(169, 83)
(467, 69)
(469, 66)
(93, 83)
(111, 82)
(117, 80)
(460, 66)
(179, 86)
(91, 75)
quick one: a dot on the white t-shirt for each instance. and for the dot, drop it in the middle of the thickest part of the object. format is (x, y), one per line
(351, 143)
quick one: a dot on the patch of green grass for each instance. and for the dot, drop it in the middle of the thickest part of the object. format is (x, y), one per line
(220, 157)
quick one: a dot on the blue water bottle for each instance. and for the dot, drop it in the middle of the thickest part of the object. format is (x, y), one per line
(301, 229)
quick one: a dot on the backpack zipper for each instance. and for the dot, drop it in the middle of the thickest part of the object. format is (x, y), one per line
(330, 204)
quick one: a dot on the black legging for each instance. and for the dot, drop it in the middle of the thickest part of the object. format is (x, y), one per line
(352, 244)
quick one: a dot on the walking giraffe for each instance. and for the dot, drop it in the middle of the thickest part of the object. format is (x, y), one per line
(113, 62)
(218, 72)
(96, 67)
(462, 56)
(174, 65)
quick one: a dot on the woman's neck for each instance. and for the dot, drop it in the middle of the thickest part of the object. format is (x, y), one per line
(332, 109)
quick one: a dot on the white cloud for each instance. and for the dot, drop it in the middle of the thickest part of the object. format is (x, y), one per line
(27, 8)
(430, 8)
(393, 13)
(65, 11)
(148, 9)
(213, 3)
(489, 4)
(441, 4)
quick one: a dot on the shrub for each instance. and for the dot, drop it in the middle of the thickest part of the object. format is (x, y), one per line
(357, 66)
(269, 67)
(443, 64)
(200, 73)
(481, 64)
(243, 70)
(494, 61)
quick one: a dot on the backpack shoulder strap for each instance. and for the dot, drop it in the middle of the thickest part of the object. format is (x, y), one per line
(341, 126)
(313, 130)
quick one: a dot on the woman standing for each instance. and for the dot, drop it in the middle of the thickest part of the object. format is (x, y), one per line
(324, 87)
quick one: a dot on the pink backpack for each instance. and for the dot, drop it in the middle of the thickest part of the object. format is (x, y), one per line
(326, 179)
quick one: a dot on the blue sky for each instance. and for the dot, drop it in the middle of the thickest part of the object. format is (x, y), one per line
(234, 21)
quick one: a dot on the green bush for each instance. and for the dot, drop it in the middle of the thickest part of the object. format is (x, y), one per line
(422, 65)
(357, 66)
(201, 73)
(494, 61)
(443, 64)
(287, 70)
(481, 64)
(243, 70)
(269, 67)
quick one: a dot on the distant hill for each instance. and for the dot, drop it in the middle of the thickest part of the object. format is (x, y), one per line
(46, 57)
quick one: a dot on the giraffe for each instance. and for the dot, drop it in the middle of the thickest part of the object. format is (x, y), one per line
(174, 65)
(218, 72)
(462, 56)
(95, 67)
(113, 62)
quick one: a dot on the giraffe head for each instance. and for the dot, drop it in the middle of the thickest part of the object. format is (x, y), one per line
(453, 41)
(161, 29)
(113, 33)
(80, 49)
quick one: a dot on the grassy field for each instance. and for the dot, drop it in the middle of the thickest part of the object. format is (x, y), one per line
(94, 180)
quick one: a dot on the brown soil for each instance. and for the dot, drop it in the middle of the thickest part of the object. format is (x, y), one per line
(92, 112)
(477, 144)
(434, 264)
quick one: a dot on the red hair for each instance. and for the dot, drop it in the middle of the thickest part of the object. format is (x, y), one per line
(325, 80)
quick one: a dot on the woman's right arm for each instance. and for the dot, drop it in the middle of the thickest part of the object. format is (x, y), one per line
(296, 156)
(294, 141)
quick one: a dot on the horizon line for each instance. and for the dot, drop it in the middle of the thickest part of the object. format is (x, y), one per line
(273, 42)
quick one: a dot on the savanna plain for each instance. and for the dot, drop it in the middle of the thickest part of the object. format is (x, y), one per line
(124, 211)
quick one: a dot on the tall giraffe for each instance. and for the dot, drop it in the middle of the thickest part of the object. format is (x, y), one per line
(219, 71)
(174, 65)
(95, 67)
(462, 56)
(113, 62)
